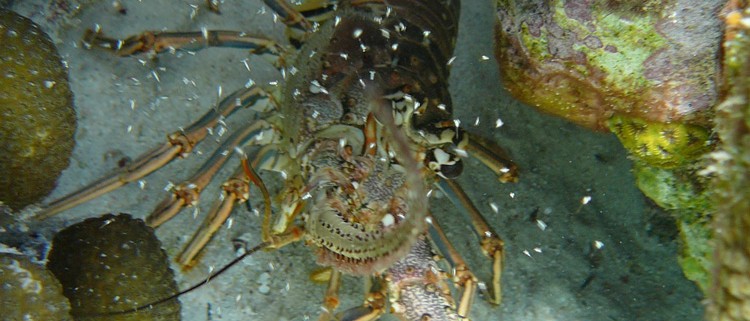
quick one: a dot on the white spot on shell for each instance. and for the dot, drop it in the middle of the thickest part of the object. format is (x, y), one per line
(388, 220)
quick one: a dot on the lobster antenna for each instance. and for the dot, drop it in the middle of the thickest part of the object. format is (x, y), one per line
(226, 267)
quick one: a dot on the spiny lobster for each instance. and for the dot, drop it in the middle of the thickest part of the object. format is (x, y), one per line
(360, 130)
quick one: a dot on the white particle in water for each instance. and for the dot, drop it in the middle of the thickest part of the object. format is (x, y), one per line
(542, 226)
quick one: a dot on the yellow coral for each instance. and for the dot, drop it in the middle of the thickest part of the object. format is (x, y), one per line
(665, 145)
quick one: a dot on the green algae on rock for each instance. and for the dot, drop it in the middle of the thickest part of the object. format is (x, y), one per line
(29, 291)
(696, 252)
(111, 264)
(680, 189)
(685, 194)
(586, 61)
(37, 120)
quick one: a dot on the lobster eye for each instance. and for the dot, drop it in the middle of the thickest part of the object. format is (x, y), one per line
(447, 165)
(451, 171)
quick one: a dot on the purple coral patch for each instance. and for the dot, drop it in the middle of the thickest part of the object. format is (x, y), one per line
(658, 66)
(579, 10)
(592, 42)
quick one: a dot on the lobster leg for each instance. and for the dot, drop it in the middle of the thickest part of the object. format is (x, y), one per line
(158, 42)
(289, 15)
(292, 203)
(494, 157)
(235, 190)
(302, 17)
(372, 309)
(186, 194)
(463, 277)
(491, 243)
(179, 144)
(331, 300)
